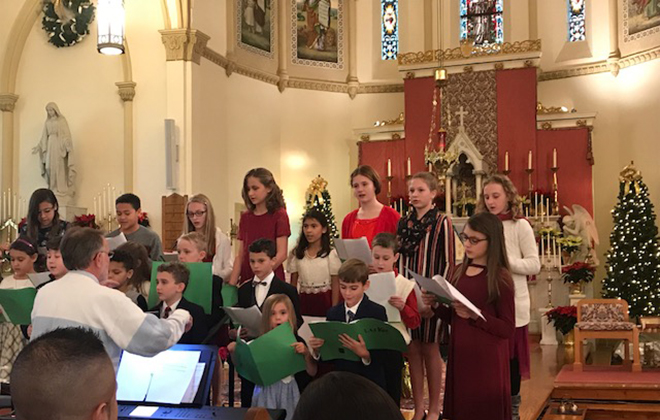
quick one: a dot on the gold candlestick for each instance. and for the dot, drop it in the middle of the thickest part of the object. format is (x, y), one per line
(530, 185)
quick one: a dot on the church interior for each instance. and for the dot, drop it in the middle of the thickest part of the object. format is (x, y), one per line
(561, 96)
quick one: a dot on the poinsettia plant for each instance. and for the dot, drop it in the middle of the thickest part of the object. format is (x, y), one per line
(86, 220)
(143, 219)
(577, 272)
(563, 318)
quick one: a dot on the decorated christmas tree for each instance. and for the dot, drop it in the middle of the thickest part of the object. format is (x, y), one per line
(318, 197)
(633, 261)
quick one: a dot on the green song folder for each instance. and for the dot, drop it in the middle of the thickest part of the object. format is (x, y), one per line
(270, 357)
(377, 335)
(17, 304)
(199, 289)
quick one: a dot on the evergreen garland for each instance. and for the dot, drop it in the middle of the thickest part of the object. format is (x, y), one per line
(67, 33)
(633, 261)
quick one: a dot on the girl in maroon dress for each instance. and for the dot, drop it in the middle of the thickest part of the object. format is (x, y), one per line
(265, 218)
(478, 383)
(372, 217)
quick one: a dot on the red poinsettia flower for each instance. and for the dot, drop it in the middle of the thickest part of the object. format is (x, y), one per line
(22, 223)
(577, 272)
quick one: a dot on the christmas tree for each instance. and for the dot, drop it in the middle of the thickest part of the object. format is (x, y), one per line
(318, 197)
(633, 261)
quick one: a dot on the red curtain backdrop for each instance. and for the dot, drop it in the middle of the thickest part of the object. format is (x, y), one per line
(376, 153)
(516, 123)
(418, 110)
(574, 176)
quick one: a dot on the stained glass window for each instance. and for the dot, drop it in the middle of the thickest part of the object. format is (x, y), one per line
(389, 29)
(576, 18)
(482, 21)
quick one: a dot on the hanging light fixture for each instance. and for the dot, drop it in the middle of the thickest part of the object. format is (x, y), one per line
(111, 20)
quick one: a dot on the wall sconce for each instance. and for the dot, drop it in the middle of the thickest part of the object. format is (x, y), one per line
(111, 20)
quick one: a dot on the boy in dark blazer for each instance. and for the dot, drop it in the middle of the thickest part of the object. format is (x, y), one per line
(353, 282)
(265, 283)
(172, 279)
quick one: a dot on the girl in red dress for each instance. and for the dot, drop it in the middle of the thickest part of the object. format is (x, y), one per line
(372, 217)
(265, 217)
(478, 384)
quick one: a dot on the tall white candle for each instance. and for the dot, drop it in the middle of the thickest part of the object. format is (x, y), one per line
(17, 217)
(542, 247)
(554, 158)
(529, 160)
(9, 215)
(2, 207)
(430, 167)
(547, 210)
(408, 168)
(536, 204)
(506, 161)
(389, 167)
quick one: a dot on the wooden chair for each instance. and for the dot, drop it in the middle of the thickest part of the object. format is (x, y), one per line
(605, 318)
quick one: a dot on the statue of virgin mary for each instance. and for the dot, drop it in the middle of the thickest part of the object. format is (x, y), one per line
(55, 151)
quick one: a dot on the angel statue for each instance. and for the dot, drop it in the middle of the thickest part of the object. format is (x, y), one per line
(579, 222)
(55, 151)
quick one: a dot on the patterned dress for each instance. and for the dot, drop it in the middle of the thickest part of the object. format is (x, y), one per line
(427, 248)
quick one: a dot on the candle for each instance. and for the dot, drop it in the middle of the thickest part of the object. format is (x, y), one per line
(506, 161)
(536, 204)
(2, 207)
(96, 210)
(389, 167)
(529, 160)
(16, 216)
(408, 169)
(9, 206)
(547, 210)
(542, 247)
(554, 158)
(430, 167)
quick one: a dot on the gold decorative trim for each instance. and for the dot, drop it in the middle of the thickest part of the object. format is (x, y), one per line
(184, 44)
(8, 102)
(528, 63)
(126, 90)
(298, 83)
(410, 75)
(499, 66)
(396, 136)
(546, 126)
(365, 137)
(400, 120)
(602, 66)
(458, 53)
(468, 69)
(540, 109)
(581, 123)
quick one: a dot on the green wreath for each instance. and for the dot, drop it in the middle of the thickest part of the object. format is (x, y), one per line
(63, 33)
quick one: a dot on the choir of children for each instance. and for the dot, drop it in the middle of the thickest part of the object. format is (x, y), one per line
(321, 286)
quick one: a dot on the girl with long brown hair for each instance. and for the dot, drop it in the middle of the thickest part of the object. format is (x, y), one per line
(478, 384)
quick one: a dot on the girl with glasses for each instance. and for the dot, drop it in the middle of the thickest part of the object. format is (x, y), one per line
(201, 218)
(478, 384)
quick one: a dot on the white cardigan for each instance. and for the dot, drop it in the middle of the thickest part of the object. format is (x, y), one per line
(524, 261)
(223, 260)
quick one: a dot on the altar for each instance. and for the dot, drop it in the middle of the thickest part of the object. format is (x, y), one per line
(472, 112)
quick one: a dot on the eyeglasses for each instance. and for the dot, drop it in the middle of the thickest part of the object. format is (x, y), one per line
(473, 240)
(196, 214)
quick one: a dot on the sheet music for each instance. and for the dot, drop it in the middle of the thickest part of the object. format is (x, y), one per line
(116, 241)
(39, 278)
(382, 286)
(249, 318)
(189, 396)
(354, 248)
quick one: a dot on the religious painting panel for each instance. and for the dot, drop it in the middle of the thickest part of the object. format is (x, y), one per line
(641, 18)
(317, 33)
(255, 26)
(482, 21)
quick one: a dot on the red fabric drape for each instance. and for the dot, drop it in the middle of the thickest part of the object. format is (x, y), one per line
(516, 123)
(574, 176)
(418, 108)
(376, 153)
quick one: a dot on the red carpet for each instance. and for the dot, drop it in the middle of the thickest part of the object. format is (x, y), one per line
(614, 375)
